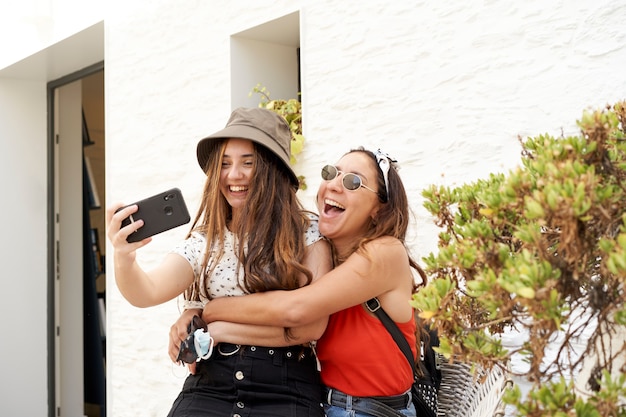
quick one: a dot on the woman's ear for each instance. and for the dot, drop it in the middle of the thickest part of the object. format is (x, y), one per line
(374, 214)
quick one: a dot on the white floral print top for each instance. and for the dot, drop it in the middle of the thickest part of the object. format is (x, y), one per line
(227, 277)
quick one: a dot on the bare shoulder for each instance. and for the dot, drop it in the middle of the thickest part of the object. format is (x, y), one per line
(387, 251)
(390, 263)
(386, 245)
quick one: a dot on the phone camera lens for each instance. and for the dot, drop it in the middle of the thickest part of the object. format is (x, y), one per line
(168, 210)
(168, 197)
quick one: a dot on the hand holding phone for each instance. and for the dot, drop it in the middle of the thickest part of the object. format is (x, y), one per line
(161, 212)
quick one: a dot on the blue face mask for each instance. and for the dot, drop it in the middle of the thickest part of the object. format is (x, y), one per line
(203, 343)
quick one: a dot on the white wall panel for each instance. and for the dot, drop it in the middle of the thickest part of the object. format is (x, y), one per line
(23, 248)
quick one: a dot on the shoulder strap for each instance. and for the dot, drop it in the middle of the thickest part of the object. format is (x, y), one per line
(424, 403)
(374, 306)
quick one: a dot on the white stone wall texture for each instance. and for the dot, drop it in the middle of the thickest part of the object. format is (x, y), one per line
(444, 87)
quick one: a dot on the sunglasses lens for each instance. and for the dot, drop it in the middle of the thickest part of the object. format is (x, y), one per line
(351, 181)
(329, 173)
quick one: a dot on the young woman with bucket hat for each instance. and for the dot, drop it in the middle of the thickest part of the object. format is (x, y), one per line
(364, 212)
(250, 235)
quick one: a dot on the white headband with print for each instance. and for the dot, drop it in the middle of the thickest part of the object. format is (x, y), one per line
(384, 162)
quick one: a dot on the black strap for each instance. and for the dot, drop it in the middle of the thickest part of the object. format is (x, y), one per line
(374, 306)
(421, 404)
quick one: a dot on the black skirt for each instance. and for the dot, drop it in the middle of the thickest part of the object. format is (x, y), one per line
(252, 381)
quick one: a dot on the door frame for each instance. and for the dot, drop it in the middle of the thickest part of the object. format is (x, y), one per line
(53, 328)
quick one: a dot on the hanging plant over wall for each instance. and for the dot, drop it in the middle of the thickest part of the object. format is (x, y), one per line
(291, 110)
(541, 250)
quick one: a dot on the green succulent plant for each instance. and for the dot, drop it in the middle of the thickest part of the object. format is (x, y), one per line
(529, 250)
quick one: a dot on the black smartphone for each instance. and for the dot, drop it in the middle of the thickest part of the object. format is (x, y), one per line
(161, 212)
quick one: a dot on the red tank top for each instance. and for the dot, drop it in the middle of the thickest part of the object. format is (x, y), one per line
(359, 357)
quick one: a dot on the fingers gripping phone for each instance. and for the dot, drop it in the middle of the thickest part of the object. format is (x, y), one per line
(161, 212)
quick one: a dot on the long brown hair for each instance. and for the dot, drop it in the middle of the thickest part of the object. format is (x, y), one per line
(270, 231)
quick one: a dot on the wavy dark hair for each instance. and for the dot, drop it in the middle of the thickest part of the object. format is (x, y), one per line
(270, 231)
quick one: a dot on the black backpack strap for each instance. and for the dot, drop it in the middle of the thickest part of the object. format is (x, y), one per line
(374, 306)
(425, 403)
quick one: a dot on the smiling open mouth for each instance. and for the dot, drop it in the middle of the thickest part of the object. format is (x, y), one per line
(332, 205)
(237, 188)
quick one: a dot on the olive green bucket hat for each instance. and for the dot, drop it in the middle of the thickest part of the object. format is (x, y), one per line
(258, 125)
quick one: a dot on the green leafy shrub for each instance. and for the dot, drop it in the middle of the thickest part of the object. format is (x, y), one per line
(531, 250)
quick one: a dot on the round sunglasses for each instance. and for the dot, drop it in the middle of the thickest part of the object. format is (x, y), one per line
(350, 181)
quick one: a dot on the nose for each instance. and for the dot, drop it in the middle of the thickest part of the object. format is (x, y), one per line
(236, 171)
(335, 184)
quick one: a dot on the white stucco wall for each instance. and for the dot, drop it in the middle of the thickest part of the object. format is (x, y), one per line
(28, 26)
(445, 89)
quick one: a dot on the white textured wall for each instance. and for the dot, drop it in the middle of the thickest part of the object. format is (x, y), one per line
(23, 247)
(27, 26)
(444, 90)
